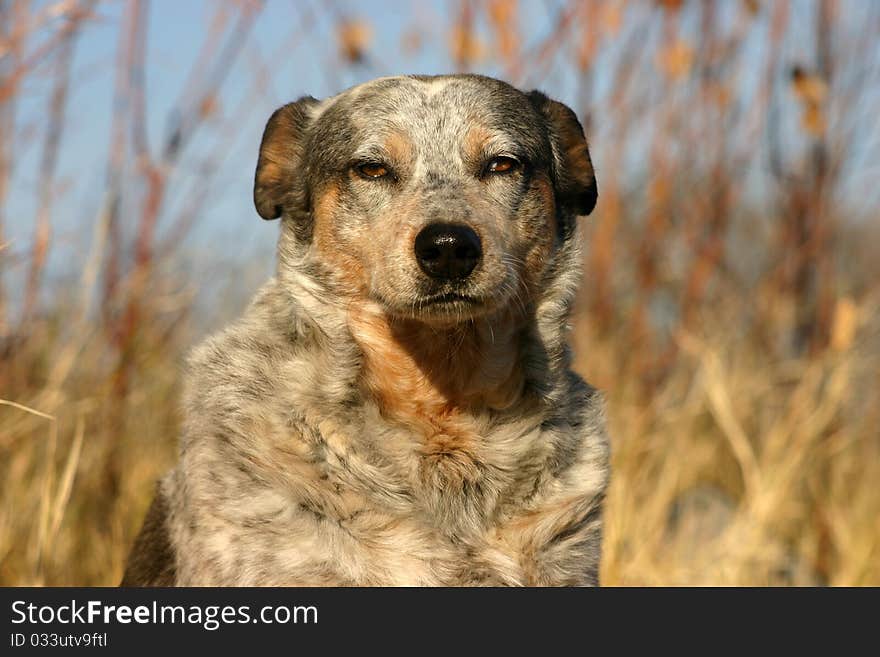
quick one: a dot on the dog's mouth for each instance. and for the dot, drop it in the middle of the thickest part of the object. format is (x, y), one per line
(441, 307)
(453, 298)
(448, 307)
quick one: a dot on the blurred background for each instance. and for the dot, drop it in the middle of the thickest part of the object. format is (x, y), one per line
(729, 308)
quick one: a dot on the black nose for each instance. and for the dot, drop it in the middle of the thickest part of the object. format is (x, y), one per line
(447, 251)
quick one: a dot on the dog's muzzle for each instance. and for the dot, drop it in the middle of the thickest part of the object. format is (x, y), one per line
(448, 252)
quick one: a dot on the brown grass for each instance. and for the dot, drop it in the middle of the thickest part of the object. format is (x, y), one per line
(742, 468)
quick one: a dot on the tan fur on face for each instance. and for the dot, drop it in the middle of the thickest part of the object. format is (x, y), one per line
(398, 147)
(541, 244)
(335, 251)
(475, 140)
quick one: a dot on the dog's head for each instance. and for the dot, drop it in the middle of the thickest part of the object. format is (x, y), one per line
(439, 198)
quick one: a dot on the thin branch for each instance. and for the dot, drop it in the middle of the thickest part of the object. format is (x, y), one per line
(48, 167)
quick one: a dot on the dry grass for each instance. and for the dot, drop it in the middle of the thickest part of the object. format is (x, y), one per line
(76, 483)
(742, 469)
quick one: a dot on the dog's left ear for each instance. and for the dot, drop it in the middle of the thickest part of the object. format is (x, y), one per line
(573, 169)
(279, 182)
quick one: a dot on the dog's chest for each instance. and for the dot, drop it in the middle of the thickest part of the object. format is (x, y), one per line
(373, 547)
(355, 500)
(364, 520)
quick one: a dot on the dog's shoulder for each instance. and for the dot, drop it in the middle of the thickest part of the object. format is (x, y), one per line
(274, 351)
(583, 408)
(250, 341)
(152, 561)
(237, 368)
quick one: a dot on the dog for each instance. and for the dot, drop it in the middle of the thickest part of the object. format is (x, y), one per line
(396, 407)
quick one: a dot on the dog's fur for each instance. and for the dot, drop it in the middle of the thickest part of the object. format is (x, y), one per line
(351, 429)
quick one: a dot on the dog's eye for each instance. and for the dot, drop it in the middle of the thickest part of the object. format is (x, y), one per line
(372, 170)
(502, 164)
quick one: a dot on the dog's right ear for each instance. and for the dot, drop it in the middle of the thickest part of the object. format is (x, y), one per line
(575, 179)
(280, 179)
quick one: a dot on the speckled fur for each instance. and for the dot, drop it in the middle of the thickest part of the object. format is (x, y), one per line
(318, 448)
